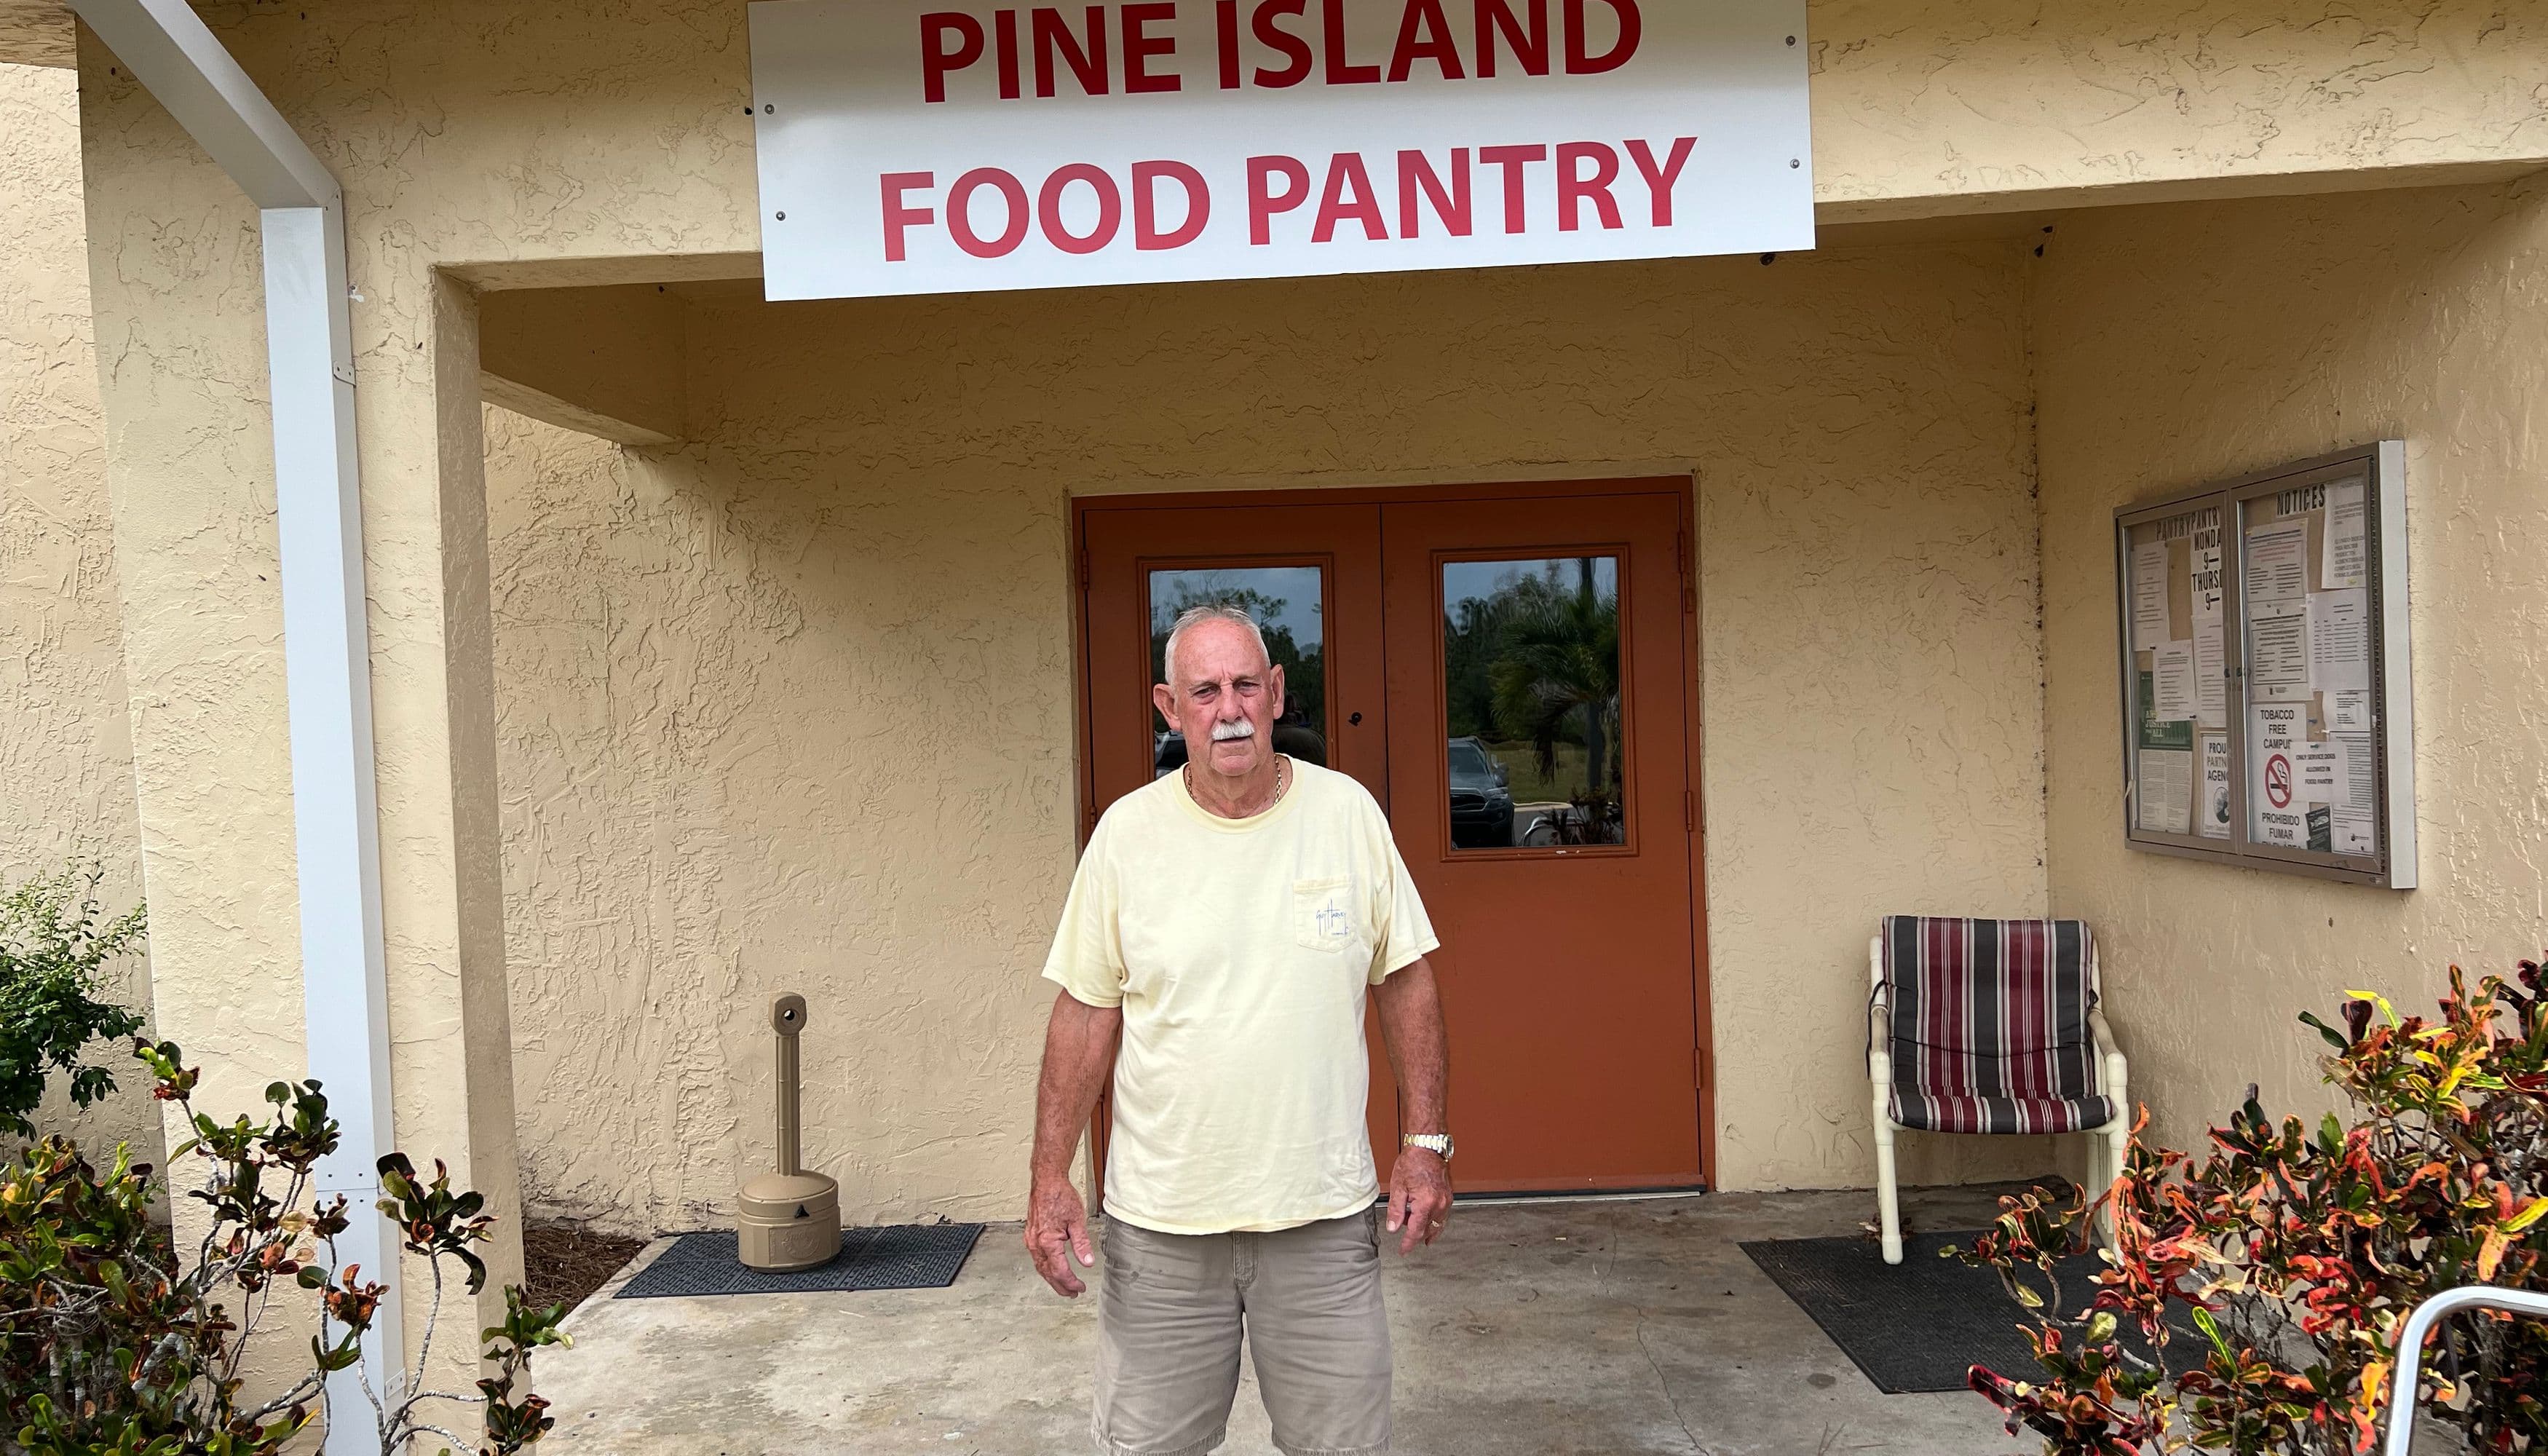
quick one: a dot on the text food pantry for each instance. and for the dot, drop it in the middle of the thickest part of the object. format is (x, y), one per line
(906, 149)
(1060, 54)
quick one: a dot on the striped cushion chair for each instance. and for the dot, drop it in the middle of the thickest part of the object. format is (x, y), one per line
(1990, 1026)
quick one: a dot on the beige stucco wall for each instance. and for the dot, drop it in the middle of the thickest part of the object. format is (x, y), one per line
(792, 707)
(1924, 107)
(65, 746)
(495, 143)
(2183, 344)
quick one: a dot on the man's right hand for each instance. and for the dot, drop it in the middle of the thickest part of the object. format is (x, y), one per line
(1056, 1233)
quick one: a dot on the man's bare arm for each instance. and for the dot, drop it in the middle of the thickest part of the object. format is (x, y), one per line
(1419, 1054)
(1078, 1056)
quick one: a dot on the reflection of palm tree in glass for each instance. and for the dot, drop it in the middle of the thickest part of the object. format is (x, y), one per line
(1556, 677)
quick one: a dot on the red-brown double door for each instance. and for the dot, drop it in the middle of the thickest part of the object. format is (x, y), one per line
(1510, 671)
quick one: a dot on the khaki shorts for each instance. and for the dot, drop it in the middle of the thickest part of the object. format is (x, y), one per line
(1169, 1313)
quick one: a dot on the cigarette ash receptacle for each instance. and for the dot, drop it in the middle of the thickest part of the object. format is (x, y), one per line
(789, 1219)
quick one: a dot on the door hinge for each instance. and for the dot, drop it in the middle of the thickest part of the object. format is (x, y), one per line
(1690, 811)
(1698, 1066)
(1083, 567)
(1689, 571)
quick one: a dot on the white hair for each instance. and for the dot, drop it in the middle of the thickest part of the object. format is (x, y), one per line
(1209, 611)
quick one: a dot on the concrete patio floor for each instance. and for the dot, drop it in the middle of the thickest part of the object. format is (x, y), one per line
(1576, 1328)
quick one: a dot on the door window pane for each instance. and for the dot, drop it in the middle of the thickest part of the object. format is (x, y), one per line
(1532, 677)
(1289, 605)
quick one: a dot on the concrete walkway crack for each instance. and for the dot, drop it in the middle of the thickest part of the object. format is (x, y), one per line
(1663, 1383)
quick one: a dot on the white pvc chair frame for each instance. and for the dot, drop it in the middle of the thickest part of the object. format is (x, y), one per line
(2106, 1145)
(2411, 1348)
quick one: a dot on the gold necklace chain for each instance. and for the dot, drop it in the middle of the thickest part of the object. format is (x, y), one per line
(1282, 782)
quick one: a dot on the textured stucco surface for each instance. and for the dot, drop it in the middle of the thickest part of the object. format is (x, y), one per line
(65, 746)
(1921, 108)
(2188, 343)
(37, 32)
(609, 139)
(175, 274)
(790, 707)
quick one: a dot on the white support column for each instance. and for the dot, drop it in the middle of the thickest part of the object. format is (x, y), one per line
(327, 670)
(326, 637)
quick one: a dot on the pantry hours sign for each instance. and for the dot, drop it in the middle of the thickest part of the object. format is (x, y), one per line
(935, 146)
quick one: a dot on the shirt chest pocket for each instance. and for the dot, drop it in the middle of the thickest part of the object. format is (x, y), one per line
(1324, 915)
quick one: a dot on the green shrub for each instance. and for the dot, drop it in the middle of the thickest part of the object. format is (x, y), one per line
(2302, 1252)
(55, 943)
(108, 1348)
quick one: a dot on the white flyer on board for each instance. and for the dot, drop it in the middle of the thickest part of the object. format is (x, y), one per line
(2348, 711)
(2339, 641)
(2357, 800)
(2321, 769)
(2213, 805)
(2278, 652)
(2163, 789)
(2344, 554)
(2149, 596)
(2277, 564)
(2210, 683)
(2275, 809)
(2172, 692)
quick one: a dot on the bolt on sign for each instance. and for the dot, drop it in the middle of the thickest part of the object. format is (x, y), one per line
(925, 146)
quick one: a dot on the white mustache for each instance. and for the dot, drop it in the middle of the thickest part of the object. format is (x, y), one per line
(1235, 728)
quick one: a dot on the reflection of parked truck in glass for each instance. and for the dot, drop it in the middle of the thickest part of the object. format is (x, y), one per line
(1482, 807)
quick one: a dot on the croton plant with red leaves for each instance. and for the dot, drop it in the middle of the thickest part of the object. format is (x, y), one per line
(2296, 1255)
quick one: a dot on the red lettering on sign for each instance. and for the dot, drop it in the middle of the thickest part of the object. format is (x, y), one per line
(1262, 204)
(1529, 42)
(1068, 45)
(1110, 208)
(1435, 45)
(1225, 33)
(1581, 62)
(1140, 47)
(1275, 37)
(935, 60)
(1146, 176)
(1004, 52)
(1575, 189)
(1053, 38)
(898, 217)
(1341, 72)
(1415, 174)
(1659, 180)
(959, 213)
(1349, 194)
(1512, 160)
(1432, 192)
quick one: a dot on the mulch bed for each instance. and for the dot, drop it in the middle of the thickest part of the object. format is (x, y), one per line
(566, 1262)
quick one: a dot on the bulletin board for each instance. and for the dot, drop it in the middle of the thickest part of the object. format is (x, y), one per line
(2268, 717)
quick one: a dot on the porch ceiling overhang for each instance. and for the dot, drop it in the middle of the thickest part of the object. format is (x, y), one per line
(38, 32)
(604, 360)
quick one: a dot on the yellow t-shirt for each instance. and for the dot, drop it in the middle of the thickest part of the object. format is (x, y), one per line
(1240, 950)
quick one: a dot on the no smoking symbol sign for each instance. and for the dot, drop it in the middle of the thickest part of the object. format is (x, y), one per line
(2278, 781)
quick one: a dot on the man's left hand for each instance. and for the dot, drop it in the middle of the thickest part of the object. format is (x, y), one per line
(1419, 1198)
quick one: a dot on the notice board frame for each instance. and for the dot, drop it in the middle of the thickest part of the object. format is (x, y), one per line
(2393, 861)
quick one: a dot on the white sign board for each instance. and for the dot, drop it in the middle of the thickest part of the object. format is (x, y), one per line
(941, 145)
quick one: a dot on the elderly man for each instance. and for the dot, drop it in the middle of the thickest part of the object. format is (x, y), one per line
(1227, 921)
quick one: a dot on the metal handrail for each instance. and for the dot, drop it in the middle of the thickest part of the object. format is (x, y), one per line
(2410, 1347)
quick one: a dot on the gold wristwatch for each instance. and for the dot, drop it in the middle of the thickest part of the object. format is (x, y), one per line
(1436, 1143)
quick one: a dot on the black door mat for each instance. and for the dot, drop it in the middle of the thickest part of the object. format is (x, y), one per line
(1920, 1324)
(910, 1256)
